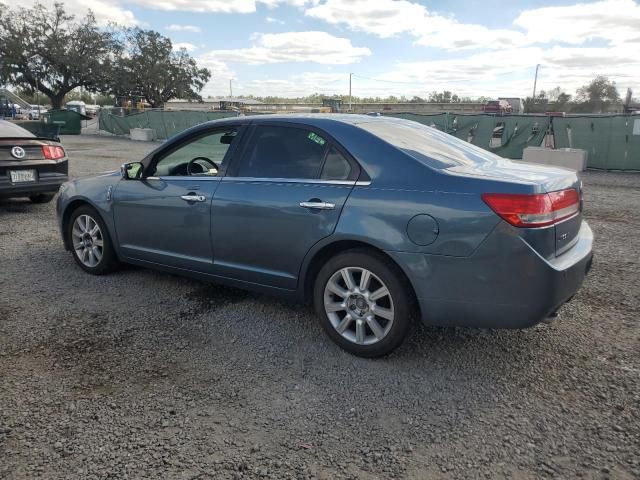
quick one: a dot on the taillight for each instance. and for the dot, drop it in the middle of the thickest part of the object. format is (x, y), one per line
(52, 152)
(537, 210)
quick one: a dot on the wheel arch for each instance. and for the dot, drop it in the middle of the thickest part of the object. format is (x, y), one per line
(331, 249)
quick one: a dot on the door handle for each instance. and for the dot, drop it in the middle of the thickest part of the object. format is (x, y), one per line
(318, 205)
(191, 197)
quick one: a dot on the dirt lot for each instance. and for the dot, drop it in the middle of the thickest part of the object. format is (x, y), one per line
(147, 375)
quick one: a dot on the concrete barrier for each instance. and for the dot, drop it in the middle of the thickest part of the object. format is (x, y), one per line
(142, 134)
(573, 158)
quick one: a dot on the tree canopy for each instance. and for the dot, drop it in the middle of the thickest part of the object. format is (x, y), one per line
(53, 52)
(150, 69)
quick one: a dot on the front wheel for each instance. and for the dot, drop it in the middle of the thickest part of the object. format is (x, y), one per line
(364, 303)
(90, 242)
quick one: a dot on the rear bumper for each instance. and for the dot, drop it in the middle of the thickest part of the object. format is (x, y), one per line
(50, 175)
(504, 284)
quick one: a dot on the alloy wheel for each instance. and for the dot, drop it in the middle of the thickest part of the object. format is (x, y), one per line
(87, 239)
(359, 305)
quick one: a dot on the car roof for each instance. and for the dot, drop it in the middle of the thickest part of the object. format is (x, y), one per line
(11, 130)
(305, 118)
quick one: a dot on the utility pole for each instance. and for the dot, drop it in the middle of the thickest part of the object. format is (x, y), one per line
(350, 106)
(230, 88)
(535, 81)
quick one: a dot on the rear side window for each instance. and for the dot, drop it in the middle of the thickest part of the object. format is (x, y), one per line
(336, 167)
(283, 152)
(429, 146)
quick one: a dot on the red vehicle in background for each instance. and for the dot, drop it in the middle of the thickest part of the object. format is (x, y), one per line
(498, 106)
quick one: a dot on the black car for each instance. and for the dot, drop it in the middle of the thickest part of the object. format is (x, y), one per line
(30, 166)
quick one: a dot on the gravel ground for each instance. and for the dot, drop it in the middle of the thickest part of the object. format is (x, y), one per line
(147, 375)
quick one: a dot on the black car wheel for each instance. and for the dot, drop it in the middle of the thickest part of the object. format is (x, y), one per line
(42, 198)
(364, 303)
(90, 242)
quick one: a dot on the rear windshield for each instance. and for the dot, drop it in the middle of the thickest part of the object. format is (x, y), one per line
(428, 145)
(10, 130)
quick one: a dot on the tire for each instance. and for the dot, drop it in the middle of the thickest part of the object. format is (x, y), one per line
(333, 302)
(42, 198)
(89, 245)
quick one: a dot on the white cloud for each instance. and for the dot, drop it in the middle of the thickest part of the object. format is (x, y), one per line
(384, 18)
(293, 86)
(105, 11)
(215, 6)
(616, 21)
(183, 28)
(388, 18)
(274, 20)
(220, 75)
(189, 47)
(315, 47)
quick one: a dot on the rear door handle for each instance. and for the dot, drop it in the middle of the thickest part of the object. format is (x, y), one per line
(318, 205)
(192, 197)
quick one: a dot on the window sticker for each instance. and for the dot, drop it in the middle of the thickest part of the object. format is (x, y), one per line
(316, 138)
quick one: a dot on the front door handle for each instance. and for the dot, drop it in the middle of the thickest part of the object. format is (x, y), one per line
(192, 197)
(318, 205)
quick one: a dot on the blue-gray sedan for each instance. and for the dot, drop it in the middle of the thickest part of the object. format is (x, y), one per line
(374, 220)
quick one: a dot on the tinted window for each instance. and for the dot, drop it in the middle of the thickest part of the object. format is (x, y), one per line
(336, 167)
(202, 156)
(283, 152)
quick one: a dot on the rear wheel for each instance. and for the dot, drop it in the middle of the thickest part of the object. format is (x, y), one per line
(42, 198)
(363, 303)
(90, 242)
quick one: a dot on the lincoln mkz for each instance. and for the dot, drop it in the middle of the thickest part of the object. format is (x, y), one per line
(376, 221)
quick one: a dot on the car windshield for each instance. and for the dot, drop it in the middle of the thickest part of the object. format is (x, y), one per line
(9, 130)
(429, 146)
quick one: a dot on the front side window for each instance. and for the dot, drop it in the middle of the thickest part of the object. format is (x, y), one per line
(283, 152)
(202, 156)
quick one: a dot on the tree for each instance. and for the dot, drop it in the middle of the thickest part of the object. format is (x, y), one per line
(540, 104)
(597, 94)
(150, 69)
(47, 50)
(443, 97)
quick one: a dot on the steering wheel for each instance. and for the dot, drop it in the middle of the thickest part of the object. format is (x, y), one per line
(204, 159)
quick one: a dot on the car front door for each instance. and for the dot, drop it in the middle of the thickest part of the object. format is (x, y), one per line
(164, 217)
(283, 194)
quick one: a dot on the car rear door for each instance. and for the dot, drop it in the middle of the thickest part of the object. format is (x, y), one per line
(283, 194)
(164, 218)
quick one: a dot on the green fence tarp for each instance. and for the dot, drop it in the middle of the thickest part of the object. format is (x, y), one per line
(165, 124)
(610, 141)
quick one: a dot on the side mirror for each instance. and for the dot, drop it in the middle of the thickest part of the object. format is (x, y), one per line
(131, 171)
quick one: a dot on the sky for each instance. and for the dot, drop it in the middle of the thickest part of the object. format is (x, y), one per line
(393, 47)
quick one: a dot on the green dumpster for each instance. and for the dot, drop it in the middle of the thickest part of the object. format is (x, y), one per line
(70, 122)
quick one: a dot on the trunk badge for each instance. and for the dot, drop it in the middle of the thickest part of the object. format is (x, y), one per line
(18, 152)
